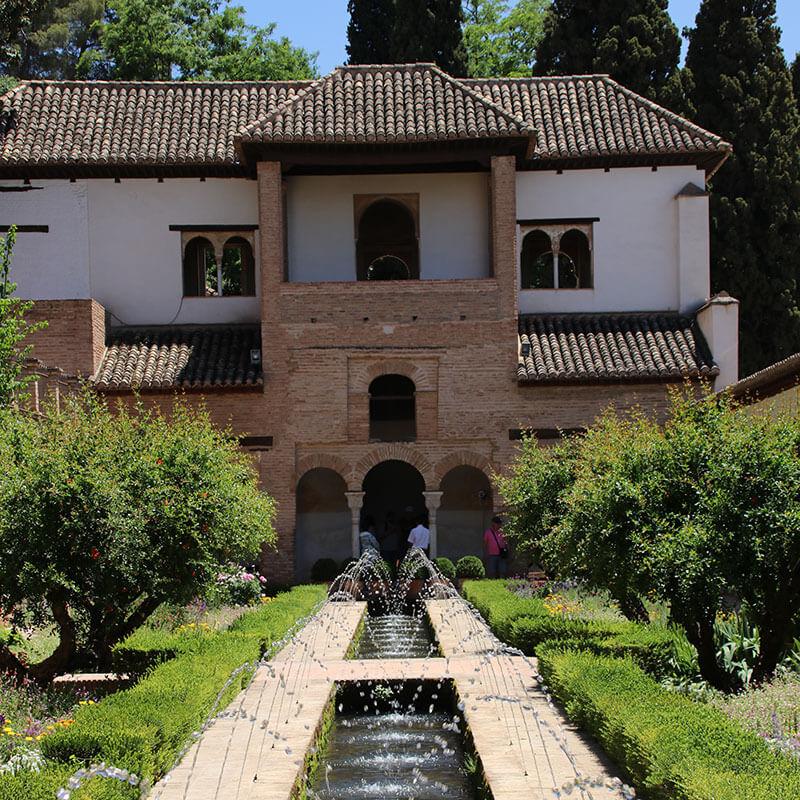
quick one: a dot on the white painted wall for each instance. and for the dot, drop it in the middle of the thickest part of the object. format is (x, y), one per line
(111, 241)
(636, 241)
(454, 223)
(54, 265)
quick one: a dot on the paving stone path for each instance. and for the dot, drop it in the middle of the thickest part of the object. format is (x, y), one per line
(255, 750)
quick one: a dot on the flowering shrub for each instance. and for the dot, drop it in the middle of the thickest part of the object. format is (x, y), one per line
(106, 515)
(236, 586)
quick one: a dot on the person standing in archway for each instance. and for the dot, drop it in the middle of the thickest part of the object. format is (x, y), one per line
(367, 538)
(495, 550)
(420, 536)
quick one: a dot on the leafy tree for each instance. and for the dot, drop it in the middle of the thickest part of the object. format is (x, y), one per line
(104, 515)
(634, 41)
(60, 40)
(14, 16)
(742, 90)
(430, 30)
(701, 513)
(369, 31)
(502, 41)
(13, 328)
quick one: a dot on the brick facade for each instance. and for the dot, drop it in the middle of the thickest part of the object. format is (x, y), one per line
(322, 345)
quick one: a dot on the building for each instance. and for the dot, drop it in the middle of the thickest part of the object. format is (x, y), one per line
(774, 389)
(381, 278)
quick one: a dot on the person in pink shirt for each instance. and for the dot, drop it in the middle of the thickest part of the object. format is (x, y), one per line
(495, 550)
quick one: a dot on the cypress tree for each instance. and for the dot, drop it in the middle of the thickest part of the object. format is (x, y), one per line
(430, 30)
(634, 41)
(742, 90)
(796, 77)
(369, 31)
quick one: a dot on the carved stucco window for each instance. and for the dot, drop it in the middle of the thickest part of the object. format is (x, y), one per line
(218, 264)
(556, 256)
(387, 236)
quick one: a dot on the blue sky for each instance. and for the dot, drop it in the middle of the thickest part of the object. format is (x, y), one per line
(321, 24)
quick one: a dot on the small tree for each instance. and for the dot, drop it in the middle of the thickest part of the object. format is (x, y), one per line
(13, 328)
(105, 515)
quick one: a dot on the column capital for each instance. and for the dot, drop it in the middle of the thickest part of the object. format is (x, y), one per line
(354, 500)
(433, 500)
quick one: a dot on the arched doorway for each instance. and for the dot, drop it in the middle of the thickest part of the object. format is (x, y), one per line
(464, 513)
(394, 500)
(322, 527)
(392, 409)
(386, 246)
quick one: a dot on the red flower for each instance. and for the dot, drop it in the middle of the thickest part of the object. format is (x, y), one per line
(159, 461)
(94, 553)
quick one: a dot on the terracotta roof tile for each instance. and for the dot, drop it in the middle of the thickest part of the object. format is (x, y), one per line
(393, 103)
(592, 115)
(584, 348)
(114, 126)
(212, 357)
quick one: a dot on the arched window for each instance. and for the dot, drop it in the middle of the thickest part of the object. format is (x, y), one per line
(238, 270)
(387, 246)
(574, 261)
(199, 269)
(537, 261)
(392, 409)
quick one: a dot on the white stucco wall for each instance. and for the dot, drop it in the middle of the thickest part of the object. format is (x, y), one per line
(53, 265)
(636, 240)
(454, 223)
(112, 241)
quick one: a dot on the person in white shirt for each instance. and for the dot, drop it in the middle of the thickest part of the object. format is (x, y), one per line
(420, 536)
(367, 538)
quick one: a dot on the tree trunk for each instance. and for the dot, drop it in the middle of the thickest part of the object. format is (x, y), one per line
(633, 608)
(701, 635)
(61, 659)
(774, 639)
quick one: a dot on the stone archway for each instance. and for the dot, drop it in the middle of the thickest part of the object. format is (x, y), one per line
(465, 511)
(322, 526)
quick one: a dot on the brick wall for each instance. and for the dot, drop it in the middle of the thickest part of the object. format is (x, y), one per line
(74, 339)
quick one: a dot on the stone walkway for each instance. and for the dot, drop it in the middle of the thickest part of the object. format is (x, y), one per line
(256, 749)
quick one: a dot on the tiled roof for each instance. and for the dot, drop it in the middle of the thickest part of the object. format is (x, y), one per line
(586, 348)
(212, 357)
(585, 116)
(105, 127)
(393, 103)
(768, 381)
(103, 123)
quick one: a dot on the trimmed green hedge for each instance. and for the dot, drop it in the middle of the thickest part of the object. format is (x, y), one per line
(525, 623)
(143, 728)
(671, 747)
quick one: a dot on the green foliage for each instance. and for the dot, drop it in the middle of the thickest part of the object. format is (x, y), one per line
(324, 570)
(635, 41)
(143, 728)
(528, 624)
(143, 40)
(741, 89)
(446, 567)
(14, 16)
(693, 512)
(13, 328)
(672, 747)
(369, 31)
(470, 567)
(105, 515)
(501, 39)
(430, 30)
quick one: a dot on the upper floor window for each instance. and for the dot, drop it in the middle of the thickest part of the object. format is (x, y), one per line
(392, 409)
(387, 244)
(217, 265)
(556, 256)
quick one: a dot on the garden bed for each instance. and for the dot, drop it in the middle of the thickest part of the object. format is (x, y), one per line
(144, 729)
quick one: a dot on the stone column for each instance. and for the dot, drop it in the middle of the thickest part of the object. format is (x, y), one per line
(432, 502)
(355, 500)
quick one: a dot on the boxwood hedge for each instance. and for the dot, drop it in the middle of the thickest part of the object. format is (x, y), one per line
(142, 729)
(671, 747)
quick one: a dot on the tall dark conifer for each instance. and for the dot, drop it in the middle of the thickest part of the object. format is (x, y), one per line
(635, 41)
(369, 32)
(742, 90)
(430, 30)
